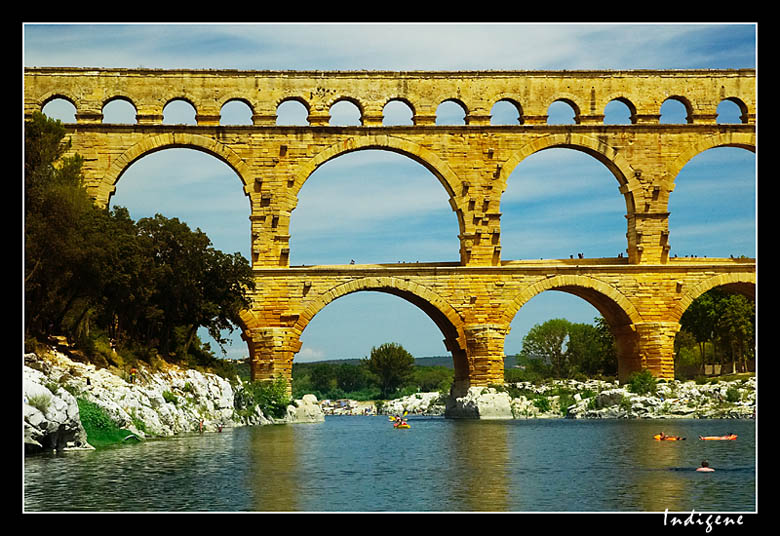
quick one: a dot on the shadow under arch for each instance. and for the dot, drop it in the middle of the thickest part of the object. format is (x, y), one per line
(446, 177)
(160, 142)
(434, 306)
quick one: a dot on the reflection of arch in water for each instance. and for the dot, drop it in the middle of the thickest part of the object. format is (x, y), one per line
(434, 306)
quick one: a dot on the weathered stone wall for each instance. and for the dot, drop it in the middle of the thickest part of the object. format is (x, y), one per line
(474, 298)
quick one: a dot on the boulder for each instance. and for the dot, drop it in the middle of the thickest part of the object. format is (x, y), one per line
(480, 403)
(50, 418)
(306, 410)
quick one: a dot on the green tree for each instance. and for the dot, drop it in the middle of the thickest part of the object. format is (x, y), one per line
(392, 365)
(195, 285)
(64, 250)
(351, 378)
(725, 320)
(546, 343)
(585, 349)
(607, 348)
(699, 320)
(152, 283)
(735, 328)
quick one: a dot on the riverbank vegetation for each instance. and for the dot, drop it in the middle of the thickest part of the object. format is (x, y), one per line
(388, 372)
(115, 289)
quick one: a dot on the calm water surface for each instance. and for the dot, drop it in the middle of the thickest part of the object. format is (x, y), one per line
(359, 464)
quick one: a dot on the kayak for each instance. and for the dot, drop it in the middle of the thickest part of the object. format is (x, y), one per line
(658, 437)
(730, 437)
(401, 426)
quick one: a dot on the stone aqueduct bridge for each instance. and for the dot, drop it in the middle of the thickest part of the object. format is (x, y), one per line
(474, 299)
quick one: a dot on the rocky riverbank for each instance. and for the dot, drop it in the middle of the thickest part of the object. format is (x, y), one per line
(592, 399)
(172, 401)
(160, 403)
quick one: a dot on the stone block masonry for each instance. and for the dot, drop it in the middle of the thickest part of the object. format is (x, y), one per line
(472, 300)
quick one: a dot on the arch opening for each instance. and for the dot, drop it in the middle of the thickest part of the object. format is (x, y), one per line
(562, 112)
(713, 205)
(397, 113)
(585, 326)
(179, 112)
(292, 112)
(371, 317)
(61, 109)
(731, 111)
(378, 313)
(563, 203)
(717, 333)
(675, 111)
(344, 113)
(235, 112)
(450, 113)
(372, 206)
(200, 190)
(505, 112)
(119, 111)
(619, 112)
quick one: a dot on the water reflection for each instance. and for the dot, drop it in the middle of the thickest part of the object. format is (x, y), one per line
(482, 454)
(363, 464)
(274, 472)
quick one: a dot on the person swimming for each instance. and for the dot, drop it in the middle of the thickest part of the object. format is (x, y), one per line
(705, 467)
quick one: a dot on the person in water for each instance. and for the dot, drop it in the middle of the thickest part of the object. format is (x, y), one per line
(705, 467)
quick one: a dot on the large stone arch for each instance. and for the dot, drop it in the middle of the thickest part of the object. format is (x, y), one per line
(159, 142)
(442, 314)
(743, 140)
(448, 179)
(428, 159)
(741, 283)
(622, 317)
(616, 308)
(625, 174)
(447, 319)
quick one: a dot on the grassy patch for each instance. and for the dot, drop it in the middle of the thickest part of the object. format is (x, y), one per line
(101, 430)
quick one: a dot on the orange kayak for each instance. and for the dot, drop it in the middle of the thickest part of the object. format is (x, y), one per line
(729, 437)
(658, 437)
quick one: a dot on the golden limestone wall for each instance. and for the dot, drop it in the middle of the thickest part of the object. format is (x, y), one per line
(473, 300)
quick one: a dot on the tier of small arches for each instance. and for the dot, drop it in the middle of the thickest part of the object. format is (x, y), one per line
(397, 112)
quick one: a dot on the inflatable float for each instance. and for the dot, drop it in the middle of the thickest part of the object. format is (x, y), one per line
(661, 437)
(729, 437)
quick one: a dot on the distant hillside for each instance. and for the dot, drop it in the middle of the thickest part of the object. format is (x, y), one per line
(438, 361)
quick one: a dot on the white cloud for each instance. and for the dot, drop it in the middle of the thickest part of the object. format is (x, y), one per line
(389, 46)
(307, 354)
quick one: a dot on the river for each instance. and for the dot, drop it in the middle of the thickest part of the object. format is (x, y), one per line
(363, 464)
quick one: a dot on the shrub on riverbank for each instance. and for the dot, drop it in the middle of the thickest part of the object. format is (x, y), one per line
(271, 397)
(101, 429)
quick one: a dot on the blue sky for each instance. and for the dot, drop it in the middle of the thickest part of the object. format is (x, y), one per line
(712, 207)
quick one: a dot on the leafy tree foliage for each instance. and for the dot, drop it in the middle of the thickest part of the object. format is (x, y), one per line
(561, 349)
(724, 321)
(150, 283)
(392, 365)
